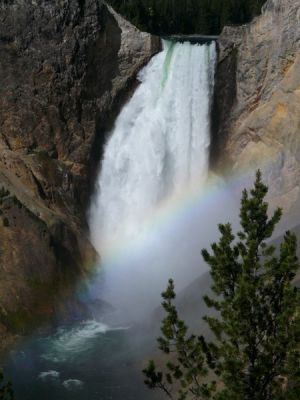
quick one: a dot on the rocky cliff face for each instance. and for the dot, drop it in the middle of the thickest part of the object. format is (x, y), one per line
(257, 100)
(65, 69)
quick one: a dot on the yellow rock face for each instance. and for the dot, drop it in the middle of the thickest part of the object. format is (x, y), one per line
(263, 128)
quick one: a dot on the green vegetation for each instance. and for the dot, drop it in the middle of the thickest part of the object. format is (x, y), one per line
(165, 17)
(255, 351)
(6, 391)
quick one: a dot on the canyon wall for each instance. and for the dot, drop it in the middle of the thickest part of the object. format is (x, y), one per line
(256, 119)
(66, 68)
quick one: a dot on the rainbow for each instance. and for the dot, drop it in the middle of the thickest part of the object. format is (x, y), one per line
(173, 211)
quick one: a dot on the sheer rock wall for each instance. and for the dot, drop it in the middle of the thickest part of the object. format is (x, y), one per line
(256, 117)
(66, 68)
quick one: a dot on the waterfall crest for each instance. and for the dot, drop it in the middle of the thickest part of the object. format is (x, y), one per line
(158, 149)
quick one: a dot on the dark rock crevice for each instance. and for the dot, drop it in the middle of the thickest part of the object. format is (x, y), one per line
(224, 99)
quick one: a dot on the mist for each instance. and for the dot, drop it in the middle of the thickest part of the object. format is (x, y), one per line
(133, 279)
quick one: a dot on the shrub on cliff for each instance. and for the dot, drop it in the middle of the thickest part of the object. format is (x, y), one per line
(255, 353)
(6, 391)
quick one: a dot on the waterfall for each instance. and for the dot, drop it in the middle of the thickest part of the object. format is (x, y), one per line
(157, 152)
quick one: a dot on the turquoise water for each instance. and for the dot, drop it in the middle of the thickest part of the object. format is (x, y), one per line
(86, 361)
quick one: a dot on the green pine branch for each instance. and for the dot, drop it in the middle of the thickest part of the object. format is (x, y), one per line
(255, 354)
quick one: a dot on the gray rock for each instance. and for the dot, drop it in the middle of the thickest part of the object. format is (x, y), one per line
(66, 68)
(257, 103)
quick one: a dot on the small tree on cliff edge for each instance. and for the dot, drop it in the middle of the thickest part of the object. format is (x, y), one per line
(255, 352)
(6, 391)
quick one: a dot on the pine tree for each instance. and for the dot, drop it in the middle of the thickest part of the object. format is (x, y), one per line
(6, 391)
(165, 17)
(255, 354)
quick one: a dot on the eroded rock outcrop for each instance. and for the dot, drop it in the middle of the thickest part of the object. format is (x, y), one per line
(257, 104)
(65, 70)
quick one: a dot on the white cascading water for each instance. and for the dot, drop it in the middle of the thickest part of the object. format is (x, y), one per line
(157, 151)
